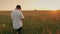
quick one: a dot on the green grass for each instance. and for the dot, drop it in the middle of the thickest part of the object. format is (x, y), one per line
(34, 23)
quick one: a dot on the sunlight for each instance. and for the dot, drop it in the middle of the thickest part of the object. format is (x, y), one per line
(30, 4)
(3, 25)
(54, 11)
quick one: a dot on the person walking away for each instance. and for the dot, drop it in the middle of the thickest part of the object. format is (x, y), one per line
(17, 17)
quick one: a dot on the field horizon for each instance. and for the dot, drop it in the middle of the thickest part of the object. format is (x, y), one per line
(7, 12)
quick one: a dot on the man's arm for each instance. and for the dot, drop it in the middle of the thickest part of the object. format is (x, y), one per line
(21, 16)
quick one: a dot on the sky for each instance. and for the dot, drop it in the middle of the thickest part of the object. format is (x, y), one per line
(30, 4)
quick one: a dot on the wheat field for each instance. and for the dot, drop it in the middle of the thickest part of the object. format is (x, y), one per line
(36, 22)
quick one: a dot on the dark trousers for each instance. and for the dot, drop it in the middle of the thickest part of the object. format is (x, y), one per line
(19, 30)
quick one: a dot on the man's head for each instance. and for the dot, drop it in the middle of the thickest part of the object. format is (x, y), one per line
(18, 7)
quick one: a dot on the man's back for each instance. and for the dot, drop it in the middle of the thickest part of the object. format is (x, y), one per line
(17, 17)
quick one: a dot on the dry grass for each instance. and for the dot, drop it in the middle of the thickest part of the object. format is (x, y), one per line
(36, 22)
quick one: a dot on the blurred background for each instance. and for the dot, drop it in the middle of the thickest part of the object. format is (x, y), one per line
(41, 16)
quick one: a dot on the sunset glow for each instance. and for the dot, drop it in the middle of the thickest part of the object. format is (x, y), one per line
(30, 4)
(54, 11)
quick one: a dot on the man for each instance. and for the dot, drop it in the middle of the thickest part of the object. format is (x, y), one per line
(17, 17)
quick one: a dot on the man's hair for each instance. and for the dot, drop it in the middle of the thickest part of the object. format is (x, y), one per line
(18, 6)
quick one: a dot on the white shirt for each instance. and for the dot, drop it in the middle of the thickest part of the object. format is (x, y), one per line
(17, 17)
